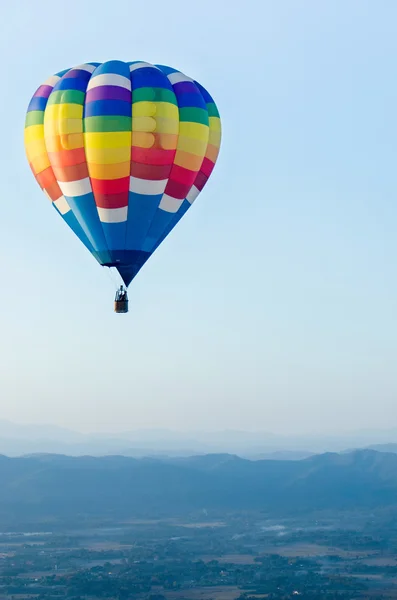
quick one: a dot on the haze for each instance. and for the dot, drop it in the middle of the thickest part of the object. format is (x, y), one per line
(272, 306)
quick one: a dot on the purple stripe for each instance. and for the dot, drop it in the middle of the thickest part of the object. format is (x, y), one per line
(185, 87)
(108, 92)
(44, 91)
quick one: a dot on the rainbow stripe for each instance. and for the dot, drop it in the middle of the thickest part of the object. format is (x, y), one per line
(122, 150)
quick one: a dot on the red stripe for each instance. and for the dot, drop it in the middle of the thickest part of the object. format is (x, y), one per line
(207, 166)
(152, 172)
(110, 186)
(201, 180)
(177, 190)
(71, 172)
(54, 191)
(45, 178)
(65, 158)
(182, 175)
(152, 156)
(111, 200)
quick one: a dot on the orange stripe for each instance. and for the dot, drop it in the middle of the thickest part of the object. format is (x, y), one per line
(116, 171)
(188, 161)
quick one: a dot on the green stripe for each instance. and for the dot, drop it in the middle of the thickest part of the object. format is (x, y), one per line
(107, 123)
(66, 97)
(194, 115)
(34, 117)
(151, 94)
(212, 110)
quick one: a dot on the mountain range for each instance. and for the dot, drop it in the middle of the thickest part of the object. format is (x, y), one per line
(19, 440)
(117, 487)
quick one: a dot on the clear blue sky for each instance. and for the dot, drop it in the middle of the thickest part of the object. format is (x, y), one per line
(273, 305)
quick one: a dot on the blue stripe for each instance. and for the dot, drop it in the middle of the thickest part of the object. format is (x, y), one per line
(72, 222)
(99, 108)
(149, 77)
(117, 67)
(37, 103)
(207, 97)
(141, 210)
(72, 83)
(161, 221)
(190, 100)
(115, 238)
(174, 221)
(86, 213)
(167, 70)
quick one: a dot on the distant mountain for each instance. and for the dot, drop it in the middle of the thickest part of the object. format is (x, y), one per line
(51, 486)
(18, 440)
(384, 448)
(281, 455)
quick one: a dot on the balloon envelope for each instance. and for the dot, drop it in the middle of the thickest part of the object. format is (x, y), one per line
(122, 150)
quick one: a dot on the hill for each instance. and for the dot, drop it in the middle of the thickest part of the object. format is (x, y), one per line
(46, 486)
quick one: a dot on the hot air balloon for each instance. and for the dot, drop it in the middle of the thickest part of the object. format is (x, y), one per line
(122, 150)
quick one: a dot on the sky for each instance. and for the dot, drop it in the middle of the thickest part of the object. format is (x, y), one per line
(272, 306)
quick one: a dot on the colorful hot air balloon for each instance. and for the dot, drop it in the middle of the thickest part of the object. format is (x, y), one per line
(122, 150)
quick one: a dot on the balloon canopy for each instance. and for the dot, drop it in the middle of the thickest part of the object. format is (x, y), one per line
(122, 150)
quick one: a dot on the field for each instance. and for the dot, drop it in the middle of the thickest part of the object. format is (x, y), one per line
(228, 558)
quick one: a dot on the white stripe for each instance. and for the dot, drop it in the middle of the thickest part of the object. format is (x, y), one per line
(169, 204)
(75, 188)
(192, 195)
(109, 79)
(142, 65)
(62, 205)
(147, 187)
(86, 67)
(178, 78)
(113, 215)
(52, 80)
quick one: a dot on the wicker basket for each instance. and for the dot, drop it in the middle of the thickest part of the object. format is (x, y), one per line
(121, 306)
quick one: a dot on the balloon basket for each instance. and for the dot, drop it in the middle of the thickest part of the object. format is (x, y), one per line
(121, 306)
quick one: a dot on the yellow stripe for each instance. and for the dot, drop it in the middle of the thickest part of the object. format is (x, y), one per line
(70, 126)
(194, 130)
(157, 124)
(215, 138)
(144, 109)
(108, 156)
(55, 143)
(196, 147)
(34, 149)
(109, 171)
(167, 125)
(40, 163)
(158, 109)
(72, 141)
(215, 123)
(167, 141)
(108, 139)
(143, 124)
(33, 133)
(63, 111)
